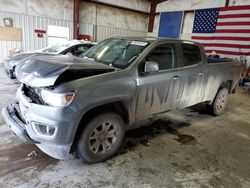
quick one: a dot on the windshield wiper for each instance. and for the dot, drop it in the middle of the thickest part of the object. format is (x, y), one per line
(132, 59)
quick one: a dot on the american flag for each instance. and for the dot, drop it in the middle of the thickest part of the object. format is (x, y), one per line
(223, 30)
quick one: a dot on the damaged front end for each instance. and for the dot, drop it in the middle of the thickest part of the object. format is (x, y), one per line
(47, 71)
(34, 121)
(39, 114)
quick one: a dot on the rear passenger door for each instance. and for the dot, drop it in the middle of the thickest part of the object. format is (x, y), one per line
(159, 91)
(193, 74)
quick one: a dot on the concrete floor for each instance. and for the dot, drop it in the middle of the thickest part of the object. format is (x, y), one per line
(186, 148)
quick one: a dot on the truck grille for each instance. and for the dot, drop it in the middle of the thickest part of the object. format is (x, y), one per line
(33, 94)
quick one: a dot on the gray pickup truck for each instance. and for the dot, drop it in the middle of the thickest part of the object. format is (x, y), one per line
(87, 104)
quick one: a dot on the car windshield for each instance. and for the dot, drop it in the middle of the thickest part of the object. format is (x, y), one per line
(57, 48)
(116, 52)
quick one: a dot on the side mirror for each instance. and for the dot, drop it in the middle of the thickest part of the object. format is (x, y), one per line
(151, 66)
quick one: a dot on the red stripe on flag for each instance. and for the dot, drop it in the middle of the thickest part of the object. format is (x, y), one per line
(244, 7)
(232, 23)
(232, 31)
(221, 38)
(228, 52)
(228, 45)
(234, 16)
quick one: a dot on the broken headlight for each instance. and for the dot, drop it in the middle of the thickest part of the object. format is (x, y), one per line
(57, 99)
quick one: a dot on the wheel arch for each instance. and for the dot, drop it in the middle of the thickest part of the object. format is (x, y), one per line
(118, 107)
(226, 84)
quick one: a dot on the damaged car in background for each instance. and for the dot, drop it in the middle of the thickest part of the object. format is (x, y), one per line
(67, 104)
(74, 47)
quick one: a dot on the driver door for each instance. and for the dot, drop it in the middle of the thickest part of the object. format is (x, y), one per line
(160, 90)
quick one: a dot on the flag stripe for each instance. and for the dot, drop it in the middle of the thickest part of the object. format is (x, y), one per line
(234, 16)
(228, 52)
(244, 7)
(233, 20)
(223, 42)
(247, 35)
(227, 45)
(244, 50)
(232, 31)
(221, 38)
(244, 27)
(234, 12)
(232, 23)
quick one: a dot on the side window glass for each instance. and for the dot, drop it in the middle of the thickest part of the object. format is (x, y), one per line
(69, 52)
(83, 49)
(164, 55)
(79, 50)
(191, 54)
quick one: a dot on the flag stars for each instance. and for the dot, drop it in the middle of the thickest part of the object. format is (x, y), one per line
(205, 21)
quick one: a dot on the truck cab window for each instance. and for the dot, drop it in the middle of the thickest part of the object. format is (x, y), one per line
(191, 54)
(164, 55)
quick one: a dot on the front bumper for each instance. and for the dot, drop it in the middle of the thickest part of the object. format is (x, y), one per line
(10, 115)
(20, 115)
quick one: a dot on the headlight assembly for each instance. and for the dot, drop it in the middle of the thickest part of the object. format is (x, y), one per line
(57, 99)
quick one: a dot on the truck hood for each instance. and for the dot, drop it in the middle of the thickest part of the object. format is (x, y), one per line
(43, 71)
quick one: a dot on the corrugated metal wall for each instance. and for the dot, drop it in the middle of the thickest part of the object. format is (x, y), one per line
(106, 32)
(29, 39)
(31, 42)
(100, 33)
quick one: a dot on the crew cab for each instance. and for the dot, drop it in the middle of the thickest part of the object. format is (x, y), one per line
(67, 103)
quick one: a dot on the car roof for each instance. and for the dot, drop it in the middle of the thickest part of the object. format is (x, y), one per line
(157, 39)
(77, 42)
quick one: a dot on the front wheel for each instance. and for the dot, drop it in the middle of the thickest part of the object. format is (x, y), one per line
(101, 138)
(219, 104)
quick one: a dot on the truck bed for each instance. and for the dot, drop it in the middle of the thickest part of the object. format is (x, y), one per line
(218, 72)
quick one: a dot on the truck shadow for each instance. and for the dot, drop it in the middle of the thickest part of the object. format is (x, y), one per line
(199, 108)
(155, 128)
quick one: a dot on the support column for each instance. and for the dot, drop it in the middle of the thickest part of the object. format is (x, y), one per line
(152, 13)
(227, 3)
(76, 18)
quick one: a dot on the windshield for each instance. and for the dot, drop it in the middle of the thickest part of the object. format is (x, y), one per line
(116, 52)
(56, 48)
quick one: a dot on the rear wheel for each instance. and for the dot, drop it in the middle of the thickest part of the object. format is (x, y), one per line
(219, 104)
(101, 138)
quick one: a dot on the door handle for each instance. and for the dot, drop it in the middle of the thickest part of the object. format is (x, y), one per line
(175, 78)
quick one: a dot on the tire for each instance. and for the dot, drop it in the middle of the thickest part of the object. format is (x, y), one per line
(220, 101)
(101, 138)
